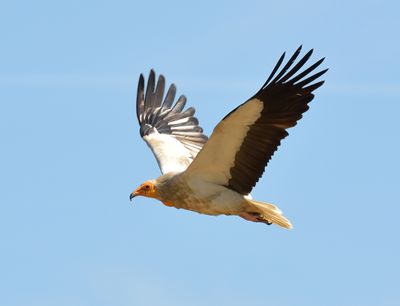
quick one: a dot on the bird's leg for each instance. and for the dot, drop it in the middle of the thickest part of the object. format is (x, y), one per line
(254, 217)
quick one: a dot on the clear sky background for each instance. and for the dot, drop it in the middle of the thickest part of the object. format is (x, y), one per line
(71, 154)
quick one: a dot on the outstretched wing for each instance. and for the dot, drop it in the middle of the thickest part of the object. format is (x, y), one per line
(242, 144)
(173, 134)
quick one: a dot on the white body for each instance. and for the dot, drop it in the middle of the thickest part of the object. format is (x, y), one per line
(192, 193)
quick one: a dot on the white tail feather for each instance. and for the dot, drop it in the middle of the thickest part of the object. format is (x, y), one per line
(270, 213)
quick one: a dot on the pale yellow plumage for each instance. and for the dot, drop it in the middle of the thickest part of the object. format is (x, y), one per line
(215, 176)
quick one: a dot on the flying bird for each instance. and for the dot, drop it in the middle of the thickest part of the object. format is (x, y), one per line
(215, 175)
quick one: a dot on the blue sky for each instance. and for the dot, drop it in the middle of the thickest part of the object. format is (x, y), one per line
(71, 154)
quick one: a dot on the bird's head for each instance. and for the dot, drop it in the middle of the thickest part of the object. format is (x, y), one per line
(147, 189)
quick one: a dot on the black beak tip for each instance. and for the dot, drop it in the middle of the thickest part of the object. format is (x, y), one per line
(131, 197)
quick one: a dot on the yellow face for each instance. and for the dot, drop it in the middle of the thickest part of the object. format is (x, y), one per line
(147, 189)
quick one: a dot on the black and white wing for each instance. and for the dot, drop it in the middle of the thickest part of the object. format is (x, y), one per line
(173, 134)
(245, 140)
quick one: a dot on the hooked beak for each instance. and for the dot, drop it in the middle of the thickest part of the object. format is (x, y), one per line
(133, 194)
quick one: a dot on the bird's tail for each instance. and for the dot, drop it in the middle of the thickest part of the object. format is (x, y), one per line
(267, 213)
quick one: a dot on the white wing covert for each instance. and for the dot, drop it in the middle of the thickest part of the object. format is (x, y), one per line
(173, 134)
(242, 144)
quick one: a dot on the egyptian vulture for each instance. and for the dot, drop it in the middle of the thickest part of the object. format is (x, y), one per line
(215, 175)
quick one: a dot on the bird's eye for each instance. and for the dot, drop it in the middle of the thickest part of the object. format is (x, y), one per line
(147, 187)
